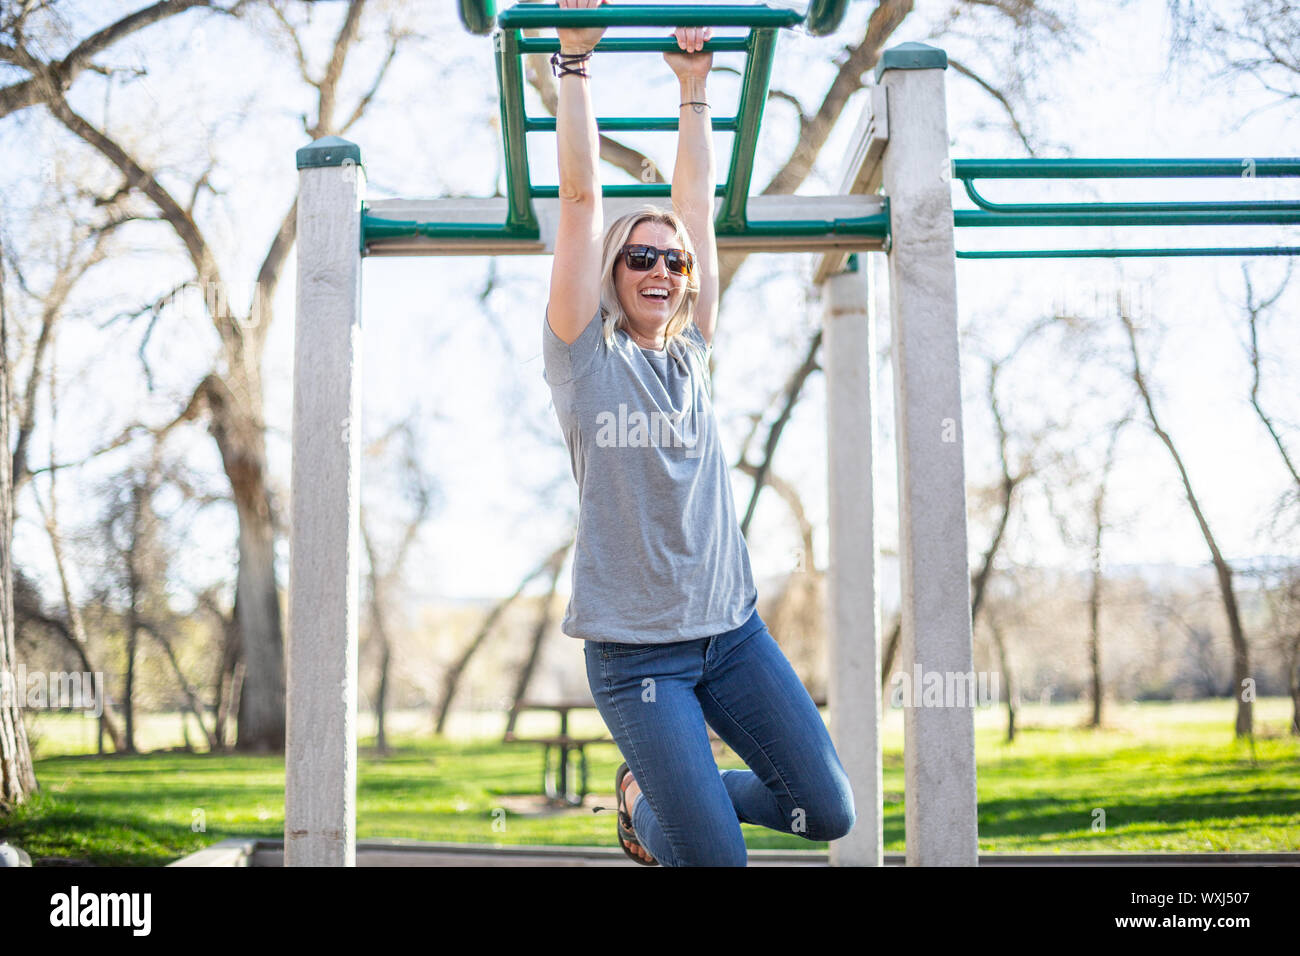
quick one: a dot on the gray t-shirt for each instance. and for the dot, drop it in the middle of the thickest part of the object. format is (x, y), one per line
(659, 555)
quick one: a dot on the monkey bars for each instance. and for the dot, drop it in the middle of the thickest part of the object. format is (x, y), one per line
(858, 222)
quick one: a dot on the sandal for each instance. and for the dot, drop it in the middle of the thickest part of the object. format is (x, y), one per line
(626, 835)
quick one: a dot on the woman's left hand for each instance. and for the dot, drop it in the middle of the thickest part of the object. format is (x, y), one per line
(691, 62)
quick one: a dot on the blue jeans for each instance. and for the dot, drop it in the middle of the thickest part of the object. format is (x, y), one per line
(656, 700)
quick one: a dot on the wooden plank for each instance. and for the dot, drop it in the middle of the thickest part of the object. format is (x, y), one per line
(324, 540)
(863, 167)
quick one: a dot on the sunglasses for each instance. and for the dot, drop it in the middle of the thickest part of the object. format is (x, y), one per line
(642, 258)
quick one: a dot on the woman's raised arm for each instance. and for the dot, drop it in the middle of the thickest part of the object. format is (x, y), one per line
(575, 271)
(694, 175)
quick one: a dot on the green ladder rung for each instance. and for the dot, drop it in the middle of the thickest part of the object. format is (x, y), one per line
(823, 16)
(637, 45)
(546, 124)
(623, 190)
(533, 16)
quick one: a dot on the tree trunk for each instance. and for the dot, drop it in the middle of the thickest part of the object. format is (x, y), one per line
(539, 635)
(455, 672)
(17, 776)
(242, 442)
(1005, 663)
(381, 695)
(1094, 611)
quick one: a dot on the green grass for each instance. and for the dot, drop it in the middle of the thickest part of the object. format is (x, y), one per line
(1169, 777)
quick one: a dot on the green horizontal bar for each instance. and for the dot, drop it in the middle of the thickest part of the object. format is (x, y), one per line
(1257, 205)
(636, 45)
(1187, 214)
(377, 229)
(546, 124)
(1125, 253)
(1123, 168)
(524, 16)
(638, 190)
(877, 225)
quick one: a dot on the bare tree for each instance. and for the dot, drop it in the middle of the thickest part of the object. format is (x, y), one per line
(385, 576)
(1223, 570)
(454, 673)
(1095, 574)
(17, 776)
(1258, 40)
(545, 615)
(231, 398)
(1255, 309)
(29, 28)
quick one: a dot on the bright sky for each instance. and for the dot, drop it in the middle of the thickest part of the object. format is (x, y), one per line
(456, 342)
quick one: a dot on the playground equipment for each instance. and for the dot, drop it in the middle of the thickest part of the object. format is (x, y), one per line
(900, 146)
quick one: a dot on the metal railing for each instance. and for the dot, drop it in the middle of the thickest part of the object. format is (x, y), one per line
(1214, 213)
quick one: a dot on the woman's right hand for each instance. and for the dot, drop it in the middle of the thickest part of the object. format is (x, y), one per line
(580, 40)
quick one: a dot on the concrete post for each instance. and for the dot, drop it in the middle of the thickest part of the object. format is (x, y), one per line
(853, 598)
(939, 724)
(321, 741)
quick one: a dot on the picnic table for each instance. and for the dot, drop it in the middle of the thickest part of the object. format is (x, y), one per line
(555, 780)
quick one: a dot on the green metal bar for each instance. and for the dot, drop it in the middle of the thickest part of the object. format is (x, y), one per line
(875, 225)
(1243, 168)
(1125, 253)
(510, 90)
(1217, 213)
(753, 97)
(758, 16)
(477, 15)
(1130, 207)
(637, 45)
(1187, 214)
(546, 124)
(377, 229)
(624, 190)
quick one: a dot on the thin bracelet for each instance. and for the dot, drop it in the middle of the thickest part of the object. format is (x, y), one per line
(693, 103)
(569, 64)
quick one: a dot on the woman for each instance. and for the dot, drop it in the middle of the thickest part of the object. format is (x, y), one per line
(663, 596)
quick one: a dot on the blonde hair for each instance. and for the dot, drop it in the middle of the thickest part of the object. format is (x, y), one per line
(611, 310)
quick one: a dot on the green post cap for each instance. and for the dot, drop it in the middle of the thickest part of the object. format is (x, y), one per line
(851, 264)
(911, 56)
(329, 151)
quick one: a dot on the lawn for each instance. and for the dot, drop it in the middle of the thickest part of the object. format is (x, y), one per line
(1159, 777)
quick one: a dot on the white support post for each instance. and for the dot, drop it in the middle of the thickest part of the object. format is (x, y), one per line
(853, 598)
(321, 740)
(939, 725)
